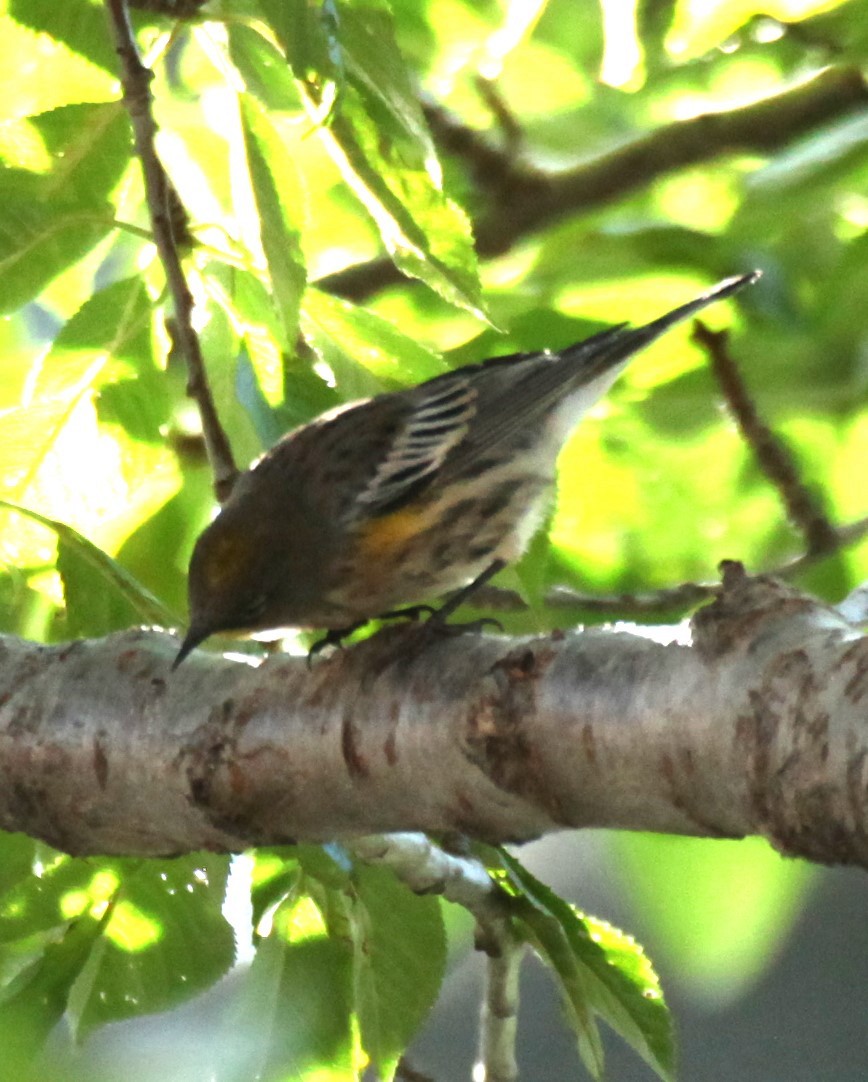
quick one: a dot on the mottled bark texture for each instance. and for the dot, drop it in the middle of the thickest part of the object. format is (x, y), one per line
(760, 726)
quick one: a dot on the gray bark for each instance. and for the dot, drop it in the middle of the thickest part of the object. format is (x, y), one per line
(758, 726)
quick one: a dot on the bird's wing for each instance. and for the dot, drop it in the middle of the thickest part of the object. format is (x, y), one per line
(437, 420)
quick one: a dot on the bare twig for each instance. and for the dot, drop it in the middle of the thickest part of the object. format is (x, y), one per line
(492, 167)
(529, 197)
(406, 1072)
(162, 206)
(179, 9)
(507, 121)
(499, 1019)
(562, 597)
(655, 602)
(773, 456)
(425, 867)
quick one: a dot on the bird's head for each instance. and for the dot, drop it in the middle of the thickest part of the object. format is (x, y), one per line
(227, 583)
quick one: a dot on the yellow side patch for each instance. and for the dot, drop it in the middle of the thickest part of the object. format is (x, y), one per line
(385, 534)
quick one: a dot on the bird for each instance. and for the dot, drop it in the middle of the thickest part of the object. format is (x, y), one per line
(407, 495)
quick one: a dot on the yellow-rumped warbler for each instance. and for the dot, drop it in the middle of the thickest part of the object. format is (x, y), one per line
(405, 496)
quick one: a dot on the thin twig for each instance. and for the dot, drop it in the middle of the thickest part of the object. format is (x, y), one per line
(406, 1072)
(529, 198)
(507, 121)
(427, 868)
(163, 209)
(499, 1019)
(655, 602)
(774, 458)
(491, 166)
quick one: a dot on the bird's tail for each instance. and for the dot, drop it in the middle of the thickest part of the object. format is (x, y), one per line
(621, 342)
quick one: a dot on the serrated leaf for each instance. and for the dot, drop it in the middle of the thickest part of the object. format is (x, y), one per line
(89, 145)
(40, 239)
(110, 326)
(399, 962)
(295, 1008)
(82, 558)
(79, 24)
(275, 188)
(354, 341)
(39, 71)
(551, 944)
(52, 217)
(37, 903)
(263, 68)
(427, 234)
(615, 976)
(165, 940)
(373, 127)
(36, 999)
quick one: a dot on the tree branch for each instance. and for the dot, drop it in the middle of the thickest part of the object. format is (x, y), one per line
(164, 206)
(758, 727)
(499, 1021)
(667, 599)
(773, 456)
(525, 198)
(425, 867)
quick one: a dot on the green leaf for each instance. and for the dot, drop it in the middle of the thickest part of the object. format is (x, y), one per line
(275, 188)
(263, 68)
(38, 902)
(378, 138)
(80, 24)
(165, 940)
(548, 938)
(36, 999)
(426, 233)
(39, 72)
(295, 1008)
(52, 216)
(17, 853)
(307, 35)
(364, 350)
(86, 568)
(89, 147)
(275, 877)
(612, 974)
(40, 239)
(110, 327)
(399, 962)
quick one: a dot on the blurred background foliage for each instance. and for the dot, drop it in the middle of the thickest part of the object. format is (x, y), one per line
(302, 139)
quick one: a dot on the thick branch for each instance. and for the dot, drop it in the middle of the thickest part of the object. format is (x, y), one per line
(528, 198)
(759, 727)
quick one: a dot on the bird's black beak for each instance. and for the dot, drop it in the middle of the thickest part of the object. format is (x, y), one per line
(191, 640)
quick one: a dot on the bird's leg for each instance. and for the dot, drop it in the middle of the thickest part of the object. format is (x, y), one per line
(439, 617)
(334, 637)
(436, 617)
(412, 612)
